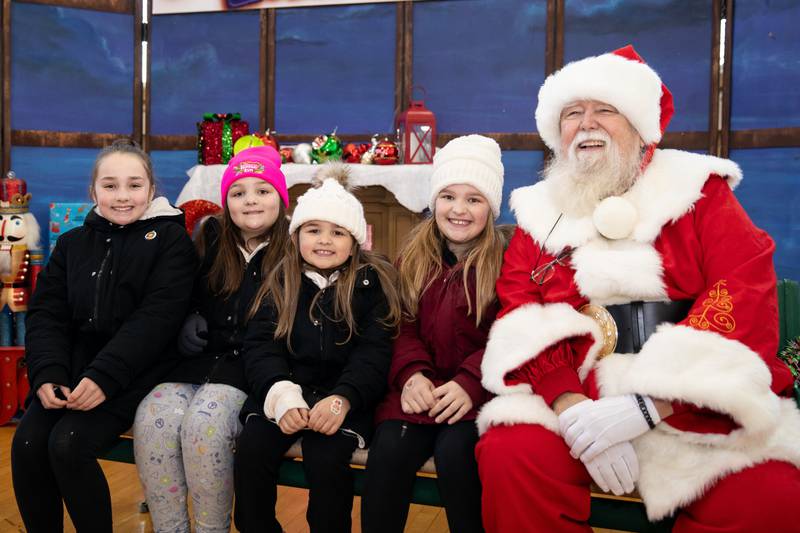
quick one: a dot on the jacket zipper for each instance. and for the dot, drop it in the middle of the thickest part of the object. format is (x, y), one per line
(96, 310)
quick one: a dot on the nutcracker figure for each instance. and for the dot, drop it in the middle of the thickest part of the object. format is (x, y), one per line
(20, 258)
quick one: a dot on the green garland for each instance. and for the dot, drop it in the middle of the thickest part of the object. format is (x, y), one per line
(791, 356)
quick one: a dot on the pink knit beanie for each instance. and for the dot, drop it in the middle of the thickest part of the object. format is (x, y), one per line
(262, 162)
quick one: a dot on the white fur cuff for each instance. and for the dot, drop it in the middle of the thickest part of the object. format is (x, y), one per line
(522, 334)
(282, 396)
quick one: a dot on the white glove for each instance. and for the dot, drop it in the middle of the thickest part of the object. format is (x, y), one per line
(615, 469)
(590, 427)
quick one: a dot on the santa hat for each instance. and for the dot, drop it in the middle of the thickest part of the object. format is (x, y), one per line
(331, 201)
(470, 160)
(619, 78)
(263, 162)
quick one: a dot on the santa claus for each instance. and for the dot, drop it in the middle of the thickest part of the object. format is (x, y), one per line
(637, 341)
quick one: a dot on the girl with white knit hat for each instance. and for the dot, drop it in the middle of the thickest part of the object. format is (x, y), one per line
(317, 352)
(447, 273)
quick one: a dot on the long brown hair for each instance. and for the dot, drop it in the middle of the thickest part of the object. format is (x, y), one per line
(282, 287)
(421, 264)
(227, 269)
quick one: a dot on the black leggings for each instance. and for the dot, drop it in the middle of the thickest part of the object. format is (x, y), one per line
(54, 459)
(326, 462)
(398, 450)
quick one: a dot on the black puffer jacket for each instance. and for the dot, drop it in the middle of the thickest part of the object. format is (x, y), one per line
(321, 362)
(108, 306)
(221, 360)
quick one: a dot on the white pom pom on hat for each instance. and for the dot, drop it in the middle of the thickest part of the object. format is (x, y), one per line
(331, 202)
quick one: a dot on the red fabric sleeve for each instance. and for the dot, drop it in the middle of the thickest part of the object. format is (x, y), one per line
(410, 356)
(738, 299)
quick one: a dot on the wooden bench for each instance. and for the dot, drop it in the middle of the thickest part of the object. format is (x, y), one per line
(607, 511)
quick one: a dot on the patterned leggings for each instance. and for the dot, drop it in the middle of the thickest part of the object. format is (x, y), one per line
(184, 436)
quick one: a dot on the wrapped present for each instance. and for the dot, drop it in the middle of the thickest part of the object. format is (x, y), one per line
(216, 135)
(64, 216)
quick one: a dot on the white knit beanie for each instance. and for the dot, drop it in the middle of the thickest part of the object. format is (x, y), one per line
(470, 160)
(330, 201)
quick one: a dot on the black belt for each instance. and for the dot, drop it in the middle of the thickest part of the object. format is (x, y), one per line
(636, 321)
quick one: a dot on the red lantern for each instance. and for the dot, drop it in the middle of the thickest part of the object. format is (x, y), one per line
(416, 133)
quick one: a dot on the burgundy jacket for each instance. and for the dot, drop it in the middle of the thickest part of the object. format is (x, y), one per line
(443, 343)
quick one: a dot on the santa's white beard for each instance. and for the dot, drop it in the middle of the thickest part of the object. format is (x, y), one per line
(582, 181)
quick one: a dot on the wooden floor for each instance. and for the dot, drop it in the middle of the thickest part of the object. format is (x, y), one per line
(126, 493)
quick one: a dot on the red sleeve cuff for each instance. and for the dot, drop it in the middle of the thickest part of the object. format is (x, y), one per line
(689, 417)
(471, 386)
(409, 371)
(557, 382)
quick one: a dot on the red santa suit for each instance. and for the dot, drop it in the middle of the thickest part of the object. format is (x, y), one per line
(691, 241)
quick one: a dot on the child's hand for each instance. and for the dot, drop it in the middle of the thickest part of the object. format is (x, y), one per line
(293, 420)
(453, 403)
(50, 399)
(417, 396)
(327, 415)
(86, 396)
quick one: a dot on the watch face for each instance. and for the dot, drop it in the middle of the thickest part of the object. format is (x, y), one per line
(239, 3)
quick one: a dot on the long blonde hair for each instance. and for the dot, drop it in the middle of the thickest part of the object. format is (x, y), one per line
(421, 264)
(282, 288)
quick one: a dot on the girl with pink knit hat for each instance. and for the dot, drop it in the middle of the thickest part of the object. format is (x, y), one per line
(186, 427)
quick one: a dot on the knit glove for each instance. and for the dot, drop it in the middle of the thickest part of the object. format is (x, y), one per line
(591, 427)
(194, 335)
(615, 469)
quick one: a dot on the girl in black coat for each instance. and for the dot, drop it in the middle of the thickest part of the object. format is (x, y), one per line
(106, 307)
(316, 354)
(186, 427)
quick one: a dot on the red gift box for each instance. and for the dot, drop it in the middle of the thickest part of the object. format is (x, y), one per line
(216, 135)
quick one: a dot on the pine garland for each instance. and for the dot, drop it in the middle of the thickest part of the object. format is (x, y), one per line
(791, 356)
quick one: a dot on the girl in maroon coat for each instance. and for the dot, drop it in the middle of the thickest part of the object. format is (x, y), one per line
(447, 270)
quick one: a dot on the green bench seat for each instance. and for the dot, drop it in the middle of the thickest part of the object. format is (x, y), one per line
(607, 511)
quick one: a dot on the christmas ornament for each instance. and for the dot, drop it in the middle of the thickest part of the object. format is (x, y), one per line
(286, 154)
(386, 153)
(302, 154)
(368, 157)
(269, 139)
(352, 152)
(247, 141)
(326, 147)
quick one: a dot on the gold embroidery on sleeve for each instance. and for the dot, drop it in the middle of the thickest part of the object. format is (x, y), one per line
(717, 310)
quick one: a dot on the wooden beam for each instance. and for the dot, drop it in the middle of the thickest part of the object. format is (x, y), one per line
(5, 90)
(715, 86)
(558, 57)
(111, 6)
(404, 55)
(765, 138)
(267, 60)
(725, 111)
(146, 93)
(139, 30)
(63, 139)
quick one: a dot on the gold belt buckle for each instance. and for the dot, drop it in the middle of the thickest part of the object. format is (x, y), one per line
(608, 327)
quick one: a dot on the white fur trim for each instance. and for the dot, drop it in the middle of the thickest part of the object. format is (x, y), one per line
(523, 333)
(282, 396)
(519, 408)
(614, 272)
(632, 87)
(668, 189)
(674, 471)
(698, 367)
